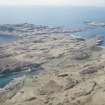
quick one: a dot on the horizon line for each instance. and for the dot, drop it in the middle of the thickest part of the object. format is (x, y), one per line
(50, 5)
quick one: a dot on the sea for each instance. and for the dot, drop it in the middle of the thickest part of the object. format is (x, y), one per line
(68, 16)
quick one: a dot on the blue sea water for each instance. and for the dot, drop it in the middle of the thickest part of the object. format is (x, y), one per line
(51, 15)
(7, 37)
(55, 16)
(67, 16)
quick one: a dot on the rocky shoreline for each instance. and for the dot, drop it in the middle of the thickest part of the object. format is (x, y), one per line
(72, 69)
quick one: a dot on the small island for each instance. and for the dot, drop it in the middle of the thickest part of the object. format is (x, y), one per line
(95, 23)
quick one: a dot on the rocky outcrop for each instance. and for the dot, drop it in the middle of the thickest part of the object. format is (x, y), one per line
(80, 55)
(50, 88)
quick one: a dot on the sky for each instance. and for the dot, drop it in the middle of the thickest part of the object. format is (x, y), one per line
(53, 2)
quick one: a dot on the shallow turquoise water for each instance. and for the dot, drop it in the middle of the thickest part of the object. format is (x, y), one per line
(6, 77)
(5, 80)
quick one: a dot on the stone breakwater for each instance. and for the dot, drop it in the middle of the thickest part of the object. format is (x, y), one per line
(73, 69)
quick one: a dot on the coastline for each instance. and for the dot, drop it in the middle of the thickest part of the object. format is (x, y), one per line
(72, 69)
